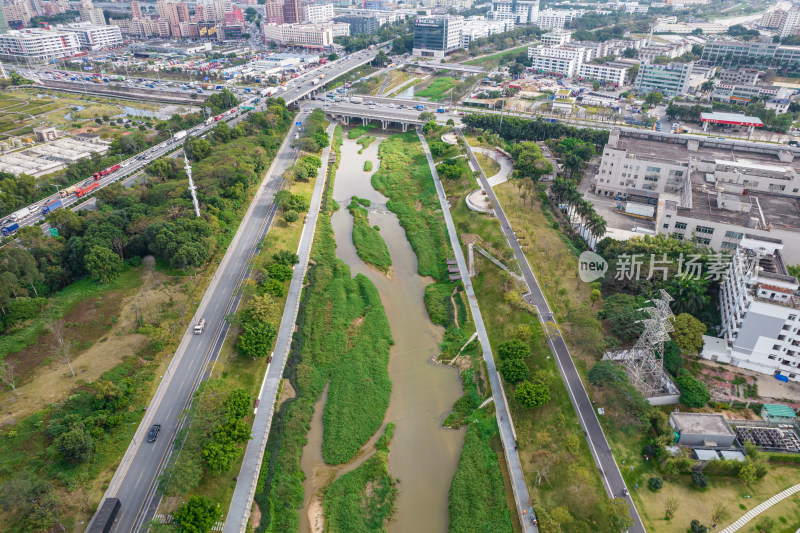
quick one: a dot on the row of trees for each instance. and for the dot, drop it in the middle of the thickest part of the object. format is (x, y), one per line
(520, 129)
(572, 203)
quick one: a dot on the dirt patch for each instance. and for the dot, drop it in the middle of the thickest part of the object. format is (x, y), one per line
(315, 516)
(102, 332)
(255, 517)
(287, 392)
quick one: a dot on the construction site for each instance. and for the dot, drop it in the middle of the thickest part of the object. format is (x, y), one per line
(46, 158)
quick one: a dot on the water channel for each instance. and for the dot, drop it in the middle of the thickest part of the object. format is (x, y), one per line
(423, 456)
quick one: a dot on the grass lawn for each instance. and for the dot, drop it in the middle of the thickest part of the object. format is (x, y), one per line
(493, 60)
(97, 110)
(358, 131)
(489, 166)
(436, 90)
(472, 139)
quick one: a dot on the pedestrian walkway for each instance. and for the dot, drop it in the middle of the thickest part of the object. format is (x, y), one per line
(760, 508)
(595, 437)
(504, 422)
(242, 501)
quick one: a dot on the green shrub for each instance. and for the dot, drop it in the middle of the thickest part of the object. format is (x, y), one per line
(367, 166)
(370, 246)
(699, 479)
(693, 392)
(655, 483)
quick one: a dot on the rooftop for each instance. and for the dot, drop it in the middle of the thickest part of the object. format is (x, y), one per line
(771, 211)
(780, 411)
(702, 424)
(731, 118)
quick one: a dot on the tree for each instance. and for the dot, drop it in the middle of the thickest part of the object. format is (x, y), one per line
(619, 514)
(427, 116)
(697, 527)
(198, 515)
(62, 346)
(532, 395)
(699, 479)
(514, 370)
(693, 392)
(280, 272)
(290, 216)
(381, 59)
(748, 473)
(654, 98)
(8, 374)
(670, 506)
(707, 86)
(103, 264)
(655, 483)
(256, 337)
(286, 257)
(688, 334)
(765, 524)
(513, 349)
(629, 53)
(74, 446)
(719, 513)
(222, 132)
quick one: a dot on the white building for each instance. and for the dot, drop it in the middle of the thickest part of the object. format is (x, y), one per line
(606, 73)
(517, 11)
(303, 35)
(38, 44)
(93, 37)
(556, 37)
(554, 65)
(789, 24)
(760, 309)
(551, 19)
(477, 27)
(317, 12)
(578, 53)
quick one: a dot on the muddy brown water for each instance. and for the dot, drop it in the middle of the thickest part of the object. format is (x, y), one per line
(423, 456)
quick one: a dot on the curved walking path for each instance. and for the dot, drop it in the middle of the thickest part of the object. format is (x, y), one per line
(760, 508)
(478, 200)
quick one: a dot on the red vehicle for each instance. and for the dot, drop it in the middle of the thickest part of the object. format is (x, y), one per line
(106, 172)
(216, 119)
(80, 191)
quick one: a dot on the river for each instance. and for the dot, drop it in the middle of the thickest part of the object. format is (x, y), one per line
(422, 456)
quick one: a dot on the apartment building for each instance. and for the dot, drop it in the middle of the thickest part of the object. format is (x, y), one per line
(316, 36)
(744, 94)
(577, 53)
(740, 76)
(517, 11)
(789, 24)
(771, 20)
(670, 80)
(558, 66)
(37, 44)
(551, 19)
(477, 27)
(759, 307)
(317, 12)
(18, 11)
(274, 11)
(556, 37)
(359, 24)
(727, 51)
(91, 14)
(605, 73)
(437, 35)
(92, 37)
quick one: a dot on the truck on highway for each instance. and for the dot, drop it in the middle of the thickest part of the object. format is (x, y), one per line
(106, 172)
(420, 107)
(200, 326)
(69, 190)
(8, 230)
(180, 135)
(80, 191)
(441, 110)
(315, 81)
(356, 100)
(22, 213)
(105, 516)
(269, 91)
(52, 206)
(209, 120)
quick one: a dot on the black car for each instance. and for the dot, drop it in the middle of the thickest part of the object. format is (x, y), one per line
(153, 434)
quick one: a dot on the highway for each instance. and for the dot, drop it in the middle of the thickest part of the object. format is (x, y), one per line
(135, 480)
(612, 479)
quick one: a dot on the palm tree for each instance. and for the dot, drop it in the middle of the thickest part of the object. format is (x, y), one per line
(584, 210)
(597, 227)
(707, 86)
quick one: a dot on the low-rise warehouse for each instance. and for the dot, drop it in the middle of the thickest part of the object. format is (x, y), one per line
(701, 429)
